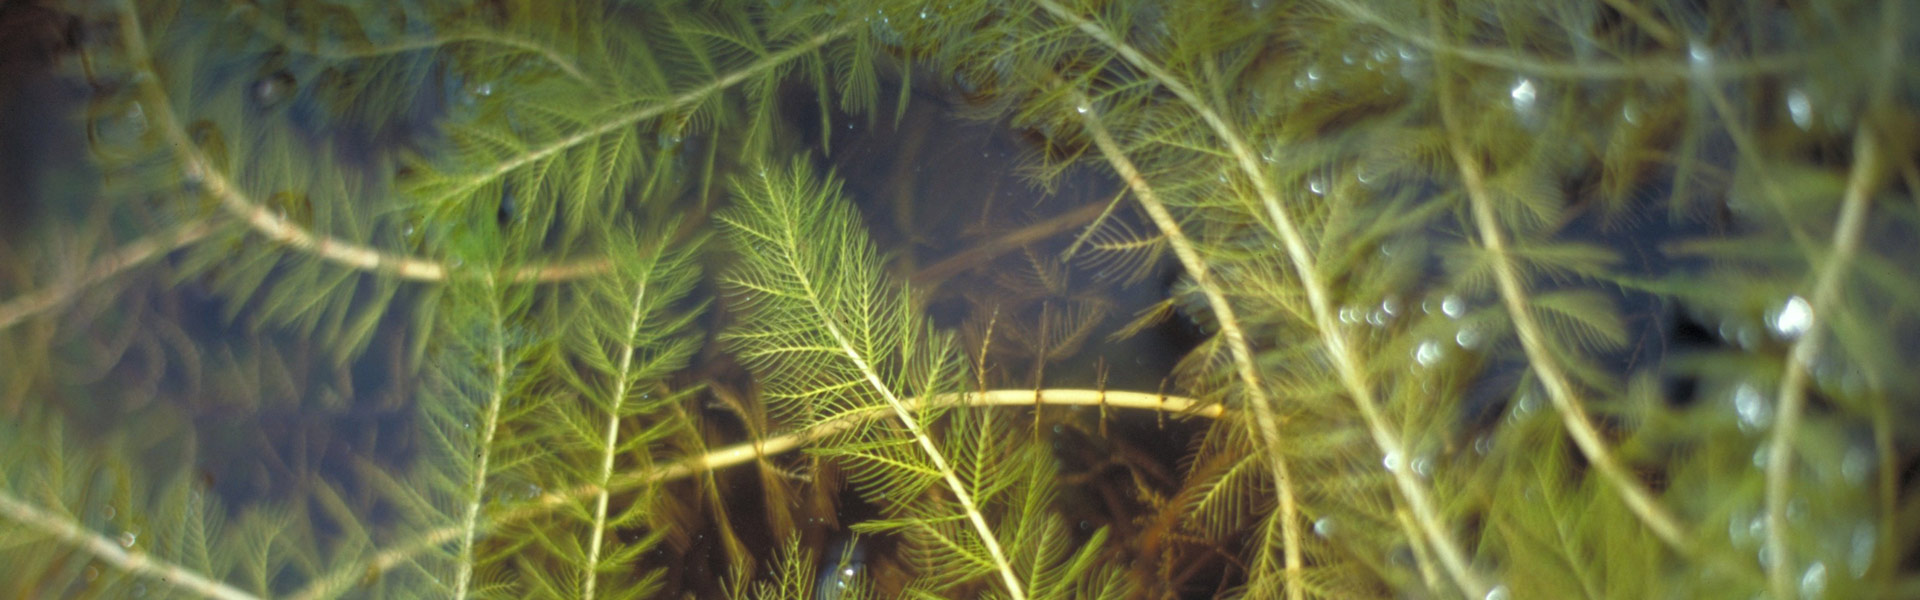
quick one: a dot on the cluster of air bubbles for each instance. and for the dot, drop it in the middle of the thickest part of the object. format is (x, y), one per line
(1528, 404)
(1741, 332)
(1423, 466)
(1753, 408)
(1746, 527)
(883, 29)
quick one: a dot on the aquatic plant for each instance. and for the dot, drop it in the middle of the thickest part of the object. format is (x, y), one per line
(609, 299)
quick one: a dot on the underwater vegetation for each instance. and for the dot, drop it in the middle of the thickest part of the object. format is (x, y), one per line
(1480, 299)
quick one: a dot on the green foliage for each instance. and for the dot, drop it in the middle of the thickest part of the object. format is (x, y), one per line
(531, 299)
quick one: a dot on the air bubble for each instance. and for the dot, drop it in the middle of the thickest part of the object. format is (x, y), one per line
(1800, 108)
(1792, 319)
(1423, 466)
(1499, 592)
(1428, 353)
(1391, 461)
(1856, 465)
(1813, 582)
(1860, 555)
(1350, 315)
(1700, 56)
(1391, 305)
(1483, 444)
(1453, 306)
(127, 538)
(1523, 93)
(1324, 527)
(1317, 184)
(1467, 338)
(1755, 412)
(1082, 108)
(276, 87)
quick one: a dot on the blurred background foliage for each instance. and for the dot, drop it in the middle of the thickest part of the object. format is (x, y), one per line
(506, 298)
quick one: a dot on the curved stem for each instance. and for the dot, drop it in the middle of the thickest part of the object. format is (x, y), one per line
(1533, 341)
(1345, 359)
(1792, 400)
(135, 253)
(65, 529)
(340, 579)
(1266, 423)
(273, 226)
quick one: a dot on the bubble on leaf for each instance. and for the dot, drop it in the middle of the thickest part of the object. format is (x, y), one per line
(274, 88)
(1453, 306)
(1857, 464)
(1428, 353)
(1753, 408)
(1524, 93)
(1800, 108)
(1791, 319)
(1467, 337)
(1391, 461)
(128, 538)
(1700, 56)
(1813, 582)
(1860, 554)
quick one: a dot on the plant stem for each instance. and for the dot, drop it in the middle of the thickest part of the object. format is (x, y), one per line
(333, 583)
(1792, 401)
(63, 528)
(126, 257)
(1266, 424)
(1346, 361)
(1533, 341)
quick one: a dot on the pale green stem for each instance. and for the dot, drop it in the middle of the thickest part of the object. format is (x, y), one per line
(340, 579)
(489, 424)
(611, 444)
(1265, 422)
(63, 528)
(1534, 342)
(126, 257)
(1792, 398)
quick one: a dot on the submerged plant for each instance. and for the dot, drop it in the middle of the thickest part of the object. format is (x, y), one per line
(510, 299)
